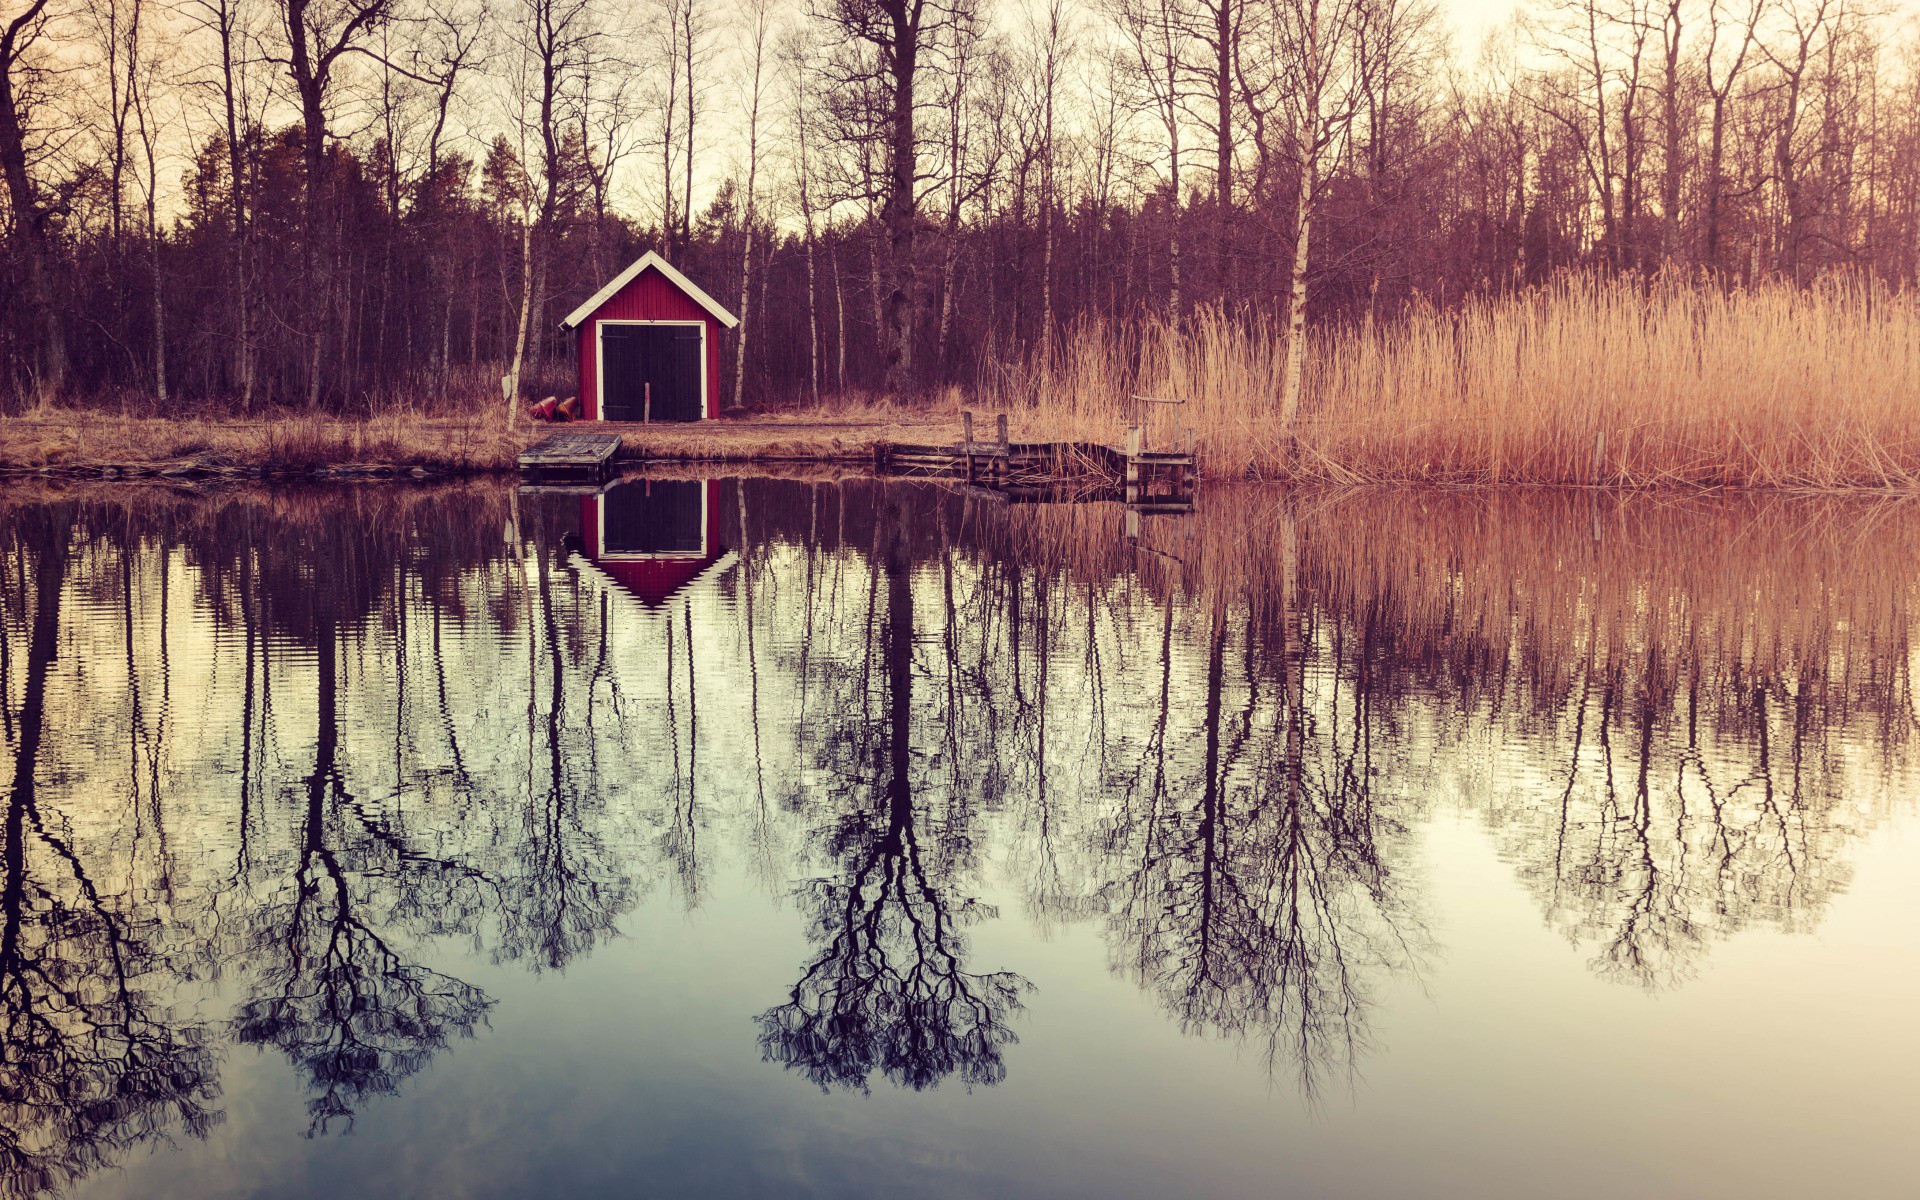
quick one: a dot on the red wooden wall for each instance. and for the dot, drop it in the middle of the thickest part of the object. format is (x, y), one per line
(649, 296)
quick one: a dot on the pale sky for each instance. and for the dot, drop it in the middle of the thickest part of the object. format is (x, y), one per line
(1471, 19)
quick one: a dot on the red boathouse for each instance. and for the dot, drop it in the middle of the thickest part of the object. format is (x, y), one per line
(649, 346)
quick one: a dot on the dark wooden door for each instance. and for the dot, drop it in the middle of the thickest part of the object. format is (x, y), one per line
(654, 517)
(660, 360)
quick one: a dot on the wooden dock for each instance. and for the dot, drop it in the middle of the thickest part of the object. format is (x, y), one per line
(569, 458)
(1137, 474)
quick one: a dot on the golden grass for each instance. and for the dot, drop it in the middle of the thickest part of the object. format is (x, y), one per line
(1623, 382)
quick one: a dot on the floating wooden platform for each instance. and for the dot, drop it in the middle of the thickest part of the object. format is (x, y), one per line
(570, 457)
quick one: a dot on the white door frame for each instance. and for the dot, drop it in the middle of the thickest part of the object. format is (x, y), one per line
(600, 362)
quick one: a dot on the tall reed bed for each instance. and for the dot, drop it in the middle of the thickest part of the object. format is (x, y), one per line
(1613, 381)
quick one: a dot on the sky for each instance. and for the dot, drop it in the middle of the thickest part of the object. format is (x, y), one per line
(1472, 19)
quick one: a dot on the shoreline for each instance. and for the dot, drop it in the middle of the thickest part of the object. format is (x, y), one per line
(82, 445)
(79, 445)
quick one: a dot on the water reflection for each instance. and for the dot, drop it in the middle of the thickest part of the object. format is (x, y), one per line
(94, 1060)
(888, 990)
(282, 769)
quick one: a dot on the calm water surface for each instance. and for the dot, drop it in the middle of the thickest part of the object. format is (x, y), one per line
(836, 838)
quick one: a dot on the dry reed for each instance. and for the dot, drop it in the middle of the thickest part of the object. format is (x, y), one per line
(1625, 382)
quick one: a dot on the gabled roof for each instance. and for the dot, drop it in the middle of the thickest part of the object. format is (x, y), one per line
(650, 259)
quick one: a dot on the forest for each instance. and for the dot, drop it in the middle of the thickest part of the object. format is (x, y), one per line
(358, 206)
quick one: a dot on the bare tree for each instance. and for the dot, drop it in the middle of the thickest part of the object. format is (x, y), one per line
(1580, 96)
(1157, 37)
(226, 22)
(798, 67)
(319, 36)
(963, 183)
(883, 49)
(1723, 69)
(1315, 42)
(22, 45)
(143, 97)
(1219, 27)
(759, 31)
(552, 40)
(1052, 52)
(1811, 28)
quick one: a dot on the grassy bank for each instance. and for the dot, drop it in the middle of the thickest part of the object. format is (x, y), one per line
(84, 442)
(80, 441)
(1587, 381)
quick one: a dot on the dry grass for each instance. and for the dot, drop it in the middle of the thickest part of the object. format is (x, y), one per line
(57, 439)
(1618, 382)
(86, 441)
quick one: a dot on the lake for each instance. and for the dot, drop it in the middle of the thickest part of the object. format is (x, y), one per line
(832, 837)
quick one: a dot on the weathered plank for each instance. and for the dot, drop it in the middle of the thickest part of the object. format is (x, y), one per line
(571, 449)
(570, 456)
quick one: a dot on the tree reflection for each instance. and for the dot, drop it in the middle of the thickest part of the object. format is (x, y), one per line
(888, 990)
(569, 886)
(1264, 908)
(333, 994)
(91, 1064)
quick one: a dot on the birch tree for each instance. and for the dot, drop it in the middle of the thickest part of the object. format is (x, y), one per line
(1315, 43)
(1159, 46)
(552, 40)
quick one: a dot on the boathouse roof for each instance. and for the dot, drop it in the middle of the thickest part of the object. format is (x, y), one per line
(712, 307)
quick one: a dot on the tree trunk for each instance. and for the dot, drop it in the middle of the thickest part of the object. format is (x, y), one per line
(1223, 79)
(512, 386)
(840, 326)
(746, 232)
(899, 213)
(236, 182)
(1297, 295)
(29, 217)
(1670, 122)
